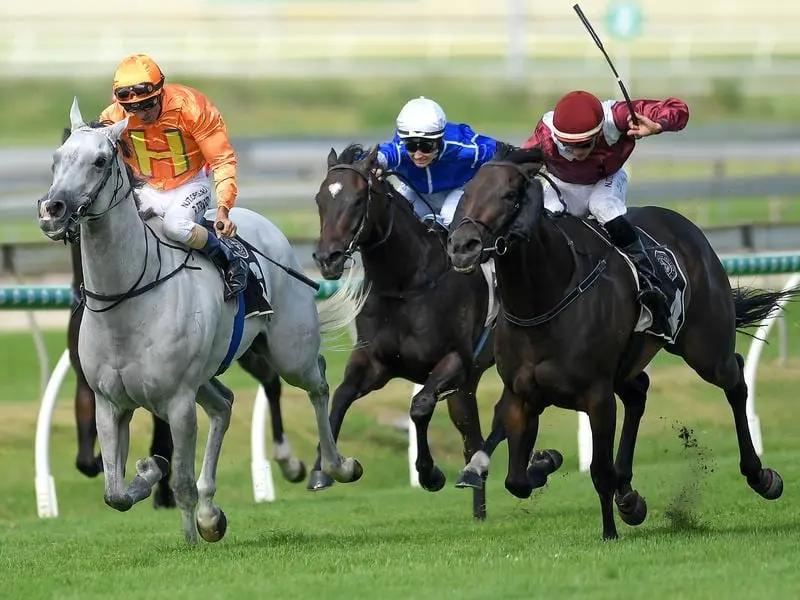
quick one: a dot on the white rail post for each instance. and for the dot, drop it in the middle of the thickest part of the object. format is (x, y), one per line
(751, 365)
(260, 468)
(46, 500)
(413, 476)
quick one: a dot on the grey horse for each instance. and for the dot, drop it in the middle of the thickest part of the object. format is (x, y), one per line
(160, 329)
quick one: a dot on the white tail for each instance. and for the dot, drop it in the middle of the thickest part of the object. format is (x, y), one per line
(341, 309)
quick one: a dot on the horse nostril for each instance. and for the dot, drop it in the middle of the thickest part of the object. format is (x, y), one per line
(472, 245)
(55, 208)
(327, 258)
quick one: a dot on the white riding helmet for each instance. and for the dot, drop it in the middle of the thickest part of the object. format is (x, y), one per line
(421, 118)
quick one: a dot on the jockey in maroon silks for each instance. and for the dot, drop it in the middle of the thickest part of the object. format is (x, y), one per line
(587, 142)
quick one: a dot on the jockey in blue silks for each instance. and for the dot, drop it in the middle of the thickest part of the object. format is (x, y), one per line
(437, 158)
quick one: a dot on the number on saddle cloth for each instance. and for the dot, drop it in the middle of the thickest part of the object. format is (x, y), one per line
(672, 281)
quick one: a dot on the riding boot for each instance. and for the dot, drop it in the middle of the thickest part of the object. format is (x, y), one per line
(625, 237)
(233, 267)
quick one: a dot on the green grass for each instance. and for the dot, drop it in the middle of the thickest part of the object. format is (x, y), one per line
(35, 110)
(379, 538)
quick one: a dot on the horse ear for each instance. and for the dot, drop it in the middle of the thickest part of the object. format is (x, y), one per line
(115, 131)
(333, 160)
(75, 118)
(370, 159)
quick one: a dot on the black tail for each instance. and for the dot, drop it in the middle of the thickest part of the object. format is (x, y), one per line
(753, 305)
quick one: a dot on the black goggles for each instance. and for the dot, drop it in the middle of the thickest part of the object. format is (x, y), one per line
(140, 106)
(423, 145)
(580, 145)
(140, 89)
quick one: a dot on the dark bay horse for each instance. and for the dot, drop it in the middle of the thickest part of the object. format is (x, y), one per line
(91, 465)
(567, 335)
(422, 321)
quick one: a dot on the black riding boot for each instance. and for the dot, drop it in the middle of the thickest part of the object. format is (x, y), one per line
(625, 237)
(232, 266)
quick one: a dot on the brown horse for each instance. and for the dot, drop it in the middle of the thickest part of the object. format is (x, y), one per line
(422, 321)
(568, 333)
(293, 469)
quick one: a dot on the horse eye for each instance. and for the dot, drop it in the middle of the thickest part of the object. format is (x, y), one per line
(100, 162)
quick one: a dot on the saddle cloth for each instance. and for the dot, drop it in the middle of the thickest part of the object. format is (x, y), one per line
(673, 282)
(256, 294)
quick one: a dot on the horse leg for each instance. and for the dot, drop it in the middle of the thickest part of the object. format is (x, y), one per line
(766, 482)
(86, 461)
(113, 431)
(362, 376)
(476, 471)
(463, 409)
(447, 376)
(293, 469)
(602, 418)
(521, 424)
(701, 352)
(633, 394)
(162, 446)
(343, 470)
(217, 401)
(182, 418)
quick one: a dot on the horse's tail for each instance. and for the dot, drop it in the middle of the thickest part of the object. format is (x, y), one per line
(754, 305)
(341, 309)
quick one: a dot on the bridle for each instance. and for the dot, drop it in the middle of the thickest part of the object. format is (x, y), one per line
(71, 234)
(499, 240)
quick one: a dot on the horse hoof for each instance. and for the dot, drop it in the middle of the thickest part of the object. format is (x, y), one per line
(216, 532)
(297, 474)
(91, 468)
(434, 481)
(770, 484)
(632, 508)
(521, 491)
(358, 470)
(162, 464)
(318, 481)
(469, 479)
(548, 461)
(121, 503)
(353, 467)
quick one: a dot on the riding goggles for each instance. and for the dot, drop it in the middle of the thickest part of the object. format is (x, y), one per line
(140, 106)
(130, 92)
(421, 144)
(578, 145)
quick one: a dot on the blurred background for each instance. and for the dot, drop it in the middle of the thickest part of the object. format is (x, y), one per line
(294, 78)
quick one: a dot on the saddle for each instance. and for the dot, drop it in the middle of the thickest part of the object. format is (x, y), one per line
(256, 295)
(671, 281)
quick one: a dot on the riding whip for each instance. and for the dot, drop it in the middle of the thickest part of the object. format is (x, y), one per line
(599, 43)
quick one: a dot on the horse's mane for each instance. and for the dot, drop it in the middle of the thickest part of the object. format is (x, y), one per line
(352, 153)
(517, 155)
(136, 182)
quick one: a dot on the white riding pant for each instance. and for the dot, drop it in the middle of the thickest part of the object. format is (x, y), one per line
(181, 208)
(604, 200)
(443, 203)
